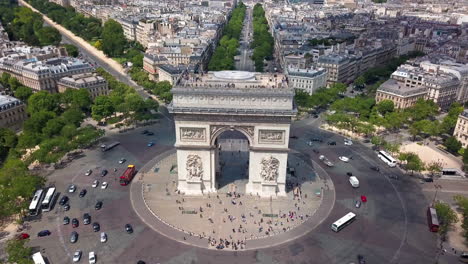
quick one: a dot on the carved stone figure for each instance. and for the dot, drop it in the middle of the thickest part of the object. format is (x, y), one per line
(192, 133)
(270, 167)
(194, 167)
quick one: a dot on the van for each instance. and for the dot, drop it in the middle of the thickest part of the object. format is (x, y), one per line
(354, 181)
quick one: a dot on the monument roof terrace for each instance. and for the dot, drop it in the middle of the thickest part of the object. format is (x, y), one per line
(234, 80)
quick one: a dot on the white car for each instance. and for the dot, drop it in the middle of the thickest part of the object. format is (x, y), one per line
(92, 257)
(95, 184)
(122, 160)
(88, 172)
(354, 181)
(71, 188)
(77, 256)
(104, 185)
(343, 158)
(348, 142)
(103, 237)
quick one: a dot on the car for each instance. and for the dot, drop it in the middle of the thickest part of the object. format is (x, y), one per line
(43, 233)
(66, 220)
(363, 198)
(463, 257)
(71, 188)
(361, 259)
(150, 133)
(66, 207)
(86, 219)
(349, 173)
(354, 181)
(150, 144)
(393, 176)
(348, 142)
(316, 140)
(128, 228)
(357, 204)
(22, 236)
(141, 262)
(73, 237)
(344, 159)
(331, 143)
(104, 173)
(428, 179)
(92, 257)
(366, 141)
(98, 205)
(316, 116)
(315, 151)
(375, 168)
(96, 227)
(83, 193)
(144, 132)
(63, 200)
(122, 160)
(88, 172)
(77, 256)
(104, 185)
(293, 137)
(75, 222)
(103, 237)
(95, 184)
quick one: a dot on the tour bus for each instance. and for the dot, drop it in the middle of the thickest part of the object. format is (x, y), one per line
(38, 259)
(35, 206)
(432, 220)
(343, 221)
(47, 202)
(387, 158)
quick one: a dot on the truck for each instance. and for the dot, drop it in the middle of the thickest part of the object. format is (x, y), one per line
(106, 147)
(128, 175)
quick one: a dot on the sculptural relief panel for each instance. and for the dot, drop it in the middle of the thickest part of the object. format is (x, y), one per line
(194, 168)
(271, 136)
(269, 170)
(192, 134)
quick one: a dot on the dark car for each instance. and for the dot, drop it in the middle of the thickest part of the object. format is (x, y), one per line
(141, 262)
(86, 219)
(98, 205)
(315, 151)
(375, 168)
(293, 137)
(349, 173)
(144, 132)
(366, 141)
(75, 222)
(66, 220)
(66, 207)
(361, 259)
(332, 143)
(316, 116)
(316, 140)
(63, 200)
(428, 179)
(103, 173)
(83, 193)
(149, 133)
(43, 233)
(96, 227)
(128, 228)
(73, 237)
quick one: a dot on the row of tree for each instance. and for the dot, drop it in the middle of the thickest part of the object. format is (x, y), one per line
(263, 42)
(161, 89)
(223, 56)
(447, 216)
(321, 98)
(22, 23)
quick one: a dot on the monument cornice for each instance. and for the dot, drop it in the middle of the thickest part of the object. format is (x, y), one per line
(232, 119)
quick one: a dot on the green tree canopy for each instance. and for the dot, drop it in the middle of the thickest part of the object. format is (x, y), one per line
(113, 39)
(452, 145)
(413, 162)
(72, 50)
(49, 36)
(446, 216)
(102, 108)
(18, 252)
(43, 101)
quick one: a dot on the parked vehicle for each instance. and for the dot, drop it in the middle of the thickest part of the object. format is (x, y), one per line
(95, 184)
(128, 228)
(349, 173)
(66, 207)
(98, 205)
(66, 220)
(103, 237)
(86, 219)
(22, 236)
(73, 237)
(83, 193)
(71, 188)
(331, 143)
(63, 200)
(357, 204)
(77, 256)
(88, 172)
(75, 222)
(363, 198)
(43, 233)
(344, 159)
(122, 160)
(96, 227)
(375, 168)
(92, 257)
(104, 185)
(104, 173)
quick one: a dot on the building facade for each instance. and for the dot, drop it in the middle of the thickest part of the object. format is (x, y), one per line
(12, 112)
(308, 80)
(95, 84)
(461, 129)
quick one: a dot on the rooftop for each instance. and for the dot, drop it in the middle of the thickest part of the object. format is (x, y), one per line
(7, 102)
(395, 87)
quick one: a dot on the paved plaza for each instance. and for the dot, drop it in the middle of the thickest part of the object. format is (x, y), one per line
(231, 214)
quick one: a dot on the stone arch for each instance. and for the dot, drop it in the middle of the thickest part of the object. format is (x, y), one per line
(218, 130)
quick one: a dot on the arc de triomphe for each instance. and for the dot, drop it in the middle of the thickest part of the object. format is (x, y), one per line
(258, 105)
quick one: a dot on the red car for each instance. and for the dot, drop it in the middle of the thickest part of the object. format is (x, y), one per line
(363, 198)
(23, 236)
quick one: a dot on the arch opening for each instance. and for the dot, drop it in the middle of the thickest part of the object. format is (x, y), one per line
(232, 162)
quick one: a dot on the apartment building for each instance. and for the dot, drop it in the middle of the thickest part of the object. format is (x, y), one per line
(461, 129)
(402, 96)
(170, 73)
(94, 83)
(144, 31)
(340, 67)
(44, 74)
(308, 80)
(12, 112)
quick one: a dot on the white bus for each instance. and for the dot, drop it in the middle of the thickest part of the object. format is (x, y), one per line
(387, 158)
(38, 259)
(35, 206)
(343, 221)
(47, 202)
